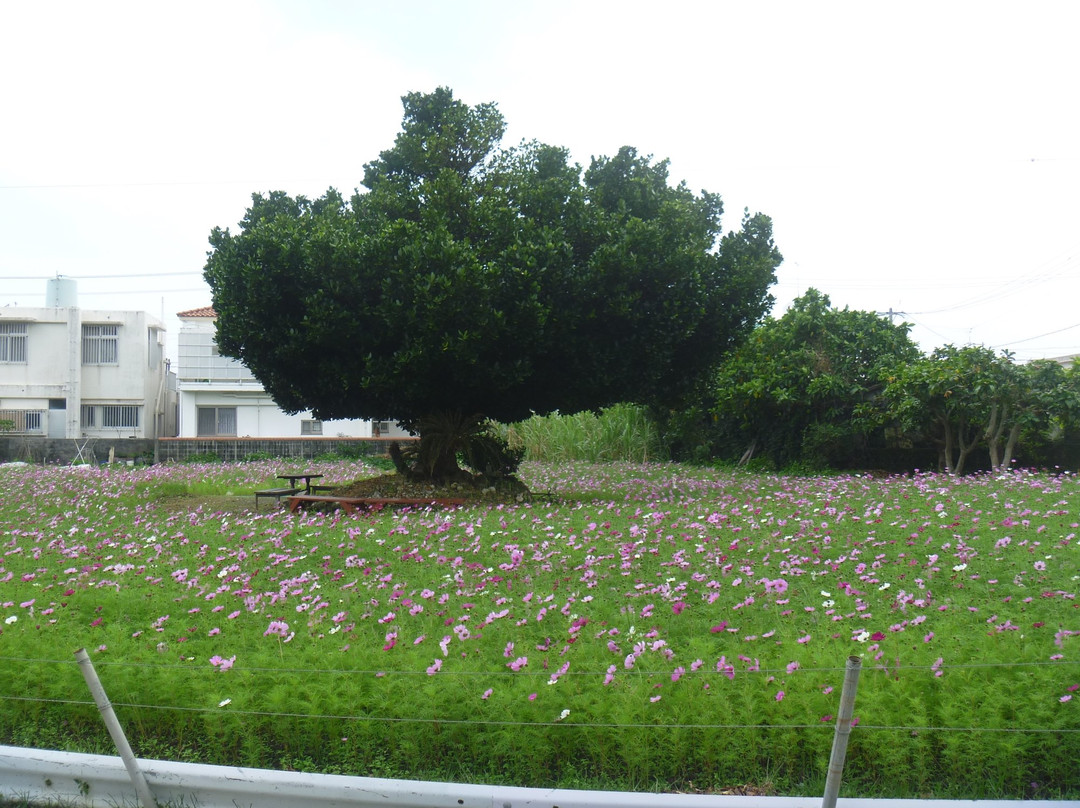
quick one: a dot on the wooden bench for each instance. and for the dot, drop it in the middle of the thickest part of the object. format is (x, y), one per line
(275, 493)
(354, 504)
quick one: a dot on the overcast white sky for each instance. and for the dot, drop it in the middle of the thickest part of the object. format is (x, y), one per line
(917, 156)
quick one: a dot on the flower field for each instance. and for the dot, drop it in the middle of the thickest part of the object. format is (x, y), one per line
(635, 626)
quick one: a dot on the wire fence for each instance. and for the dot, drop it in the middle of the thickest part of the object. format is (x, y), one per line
(308, 672)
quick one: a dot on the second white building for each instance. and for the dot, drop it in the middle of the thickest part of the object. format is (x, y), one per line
(219, 396)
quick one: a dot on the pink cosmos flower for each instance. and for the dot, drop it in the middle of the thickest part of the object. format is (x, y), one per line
(518, 664)
(434, 667)
(780, 695)
(222, 664)
(279, 627)
(486, 694)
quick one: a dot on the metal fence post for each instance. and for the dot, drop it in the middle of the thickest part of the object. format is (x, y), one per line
(843, 730)
(146, 798)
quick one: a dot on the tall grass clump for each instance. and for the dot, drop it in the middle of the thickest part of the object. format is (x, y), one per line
(620, 433)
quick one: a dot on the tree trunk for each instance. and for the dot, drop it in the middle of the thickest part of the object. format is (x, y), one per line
(1010, 446)
(948, 445)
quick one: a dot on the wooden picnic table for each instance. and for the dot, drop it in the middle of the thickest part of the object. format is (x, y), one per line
(306, 476)
(292, 488)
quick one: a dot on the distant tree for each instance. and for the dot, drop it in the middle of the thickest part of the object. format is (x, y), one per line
(793, 387)
(963, 398)
(470, 282)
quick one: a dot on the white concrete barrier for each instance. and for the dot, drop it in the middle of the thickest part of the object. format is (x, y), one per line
(94, 781)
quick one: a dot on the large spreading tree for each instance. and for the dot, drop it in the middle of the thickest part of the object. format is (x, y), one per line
(473, 282)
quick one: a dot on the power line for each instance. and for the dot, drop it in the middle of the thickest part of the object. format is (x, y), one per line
(1039, 336)
(146, 275)
(497, 723)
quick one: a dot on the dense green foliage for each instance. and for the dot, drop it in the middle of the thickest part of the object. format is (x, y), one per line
(473, 282)
(828, 388)
(964, 398)
(790, 392)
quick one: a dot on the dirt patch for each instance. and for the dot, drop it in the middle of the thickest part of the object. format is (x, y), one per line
(474, 490)
(387, 486)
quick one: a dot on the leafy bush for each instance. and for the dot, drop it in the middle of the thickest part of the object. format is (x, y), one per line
(203, 457)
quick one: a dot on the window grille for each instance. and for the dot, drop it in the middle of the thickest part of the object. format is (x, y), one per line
(13, 343)
(100, 344)
(308, 427)
(111, 416)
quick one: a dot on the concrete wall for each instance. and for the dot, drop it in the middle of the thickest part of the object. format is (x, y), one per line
(37, 450)
(40, 450)
(233, 449)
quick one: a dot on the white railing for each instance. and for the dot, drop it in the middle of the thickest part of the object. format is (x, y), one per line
(93, 781)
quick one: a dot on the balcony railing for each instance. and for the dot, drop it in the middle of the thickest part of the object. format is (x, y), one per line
(22, 422)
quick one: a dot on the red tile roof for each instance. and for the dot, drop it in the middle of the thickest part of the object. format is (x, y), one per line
(205, 311)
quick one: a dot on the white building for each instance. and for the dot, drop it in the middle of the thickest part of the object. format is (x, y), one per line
(220, 397)
(67, 372)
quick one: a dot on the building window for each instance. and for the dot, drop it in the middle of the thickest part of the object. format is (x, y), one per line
(13, 343)
(309, 427)
(380, 428)
(110, 416)
(100, 344)
(215, 421)
(20, 421)
(120, 415)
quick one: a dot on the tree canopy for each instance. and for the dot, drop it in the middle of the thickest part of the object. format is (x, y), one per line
(962, 398)
(477, 281)
(792, 390)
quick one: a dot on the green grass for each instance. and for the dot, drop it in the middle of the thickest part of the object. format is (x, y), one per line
(644, 626)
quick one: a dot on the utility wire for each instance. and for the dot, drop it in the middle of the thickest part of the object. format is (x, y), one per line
(709, 670)
(488, 722)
